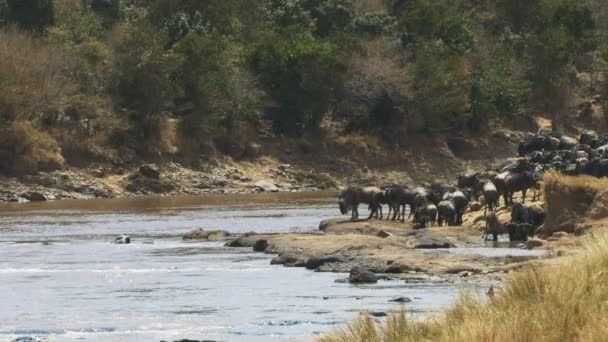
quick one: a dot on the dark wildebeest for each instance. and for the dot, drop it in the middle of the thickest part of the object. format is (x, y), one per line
(519, 182)
(446, 212)
(397, 199)
(520, 231)
(460, 200)
(490, 195)
(492, 226)
(519, 213)
(500, 182)
(426, 210)
(350, 198)
(536, 216)
(438, 190)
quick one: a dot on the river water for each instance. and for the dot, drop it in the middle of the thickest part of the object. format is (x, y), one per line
(62, 280)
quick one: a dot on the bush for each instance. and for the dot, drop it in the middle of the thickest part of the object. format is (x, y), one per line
(34, 80)
(144, 83)
(322, 17)
(440, 83)
(433, 20)
(300, 72)
(30, 15)
(25, 150)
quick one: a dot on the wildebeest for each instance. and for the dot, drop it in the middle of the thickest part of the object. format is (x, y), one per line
(500, 184)
(446, 212)
(492, 226)
(519, 182)
(350, 198)
(427, 212)
(460, 200)
(438, 190)
(520, 231)
(490, 195)
(519, 213)
(397, 198)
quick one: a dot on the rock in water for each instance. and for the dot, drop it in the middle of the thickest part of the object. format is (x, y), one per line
(260, 246)
(266, 185)
(34, 196)
(150, 171)
(201, 234)
(429, 242)
(401, 300)
(359, 275)
(316, 262)
(122, 240)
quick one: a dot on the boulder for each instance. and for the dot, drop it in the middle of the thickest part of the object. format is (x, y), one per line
(401, 300)
(34, 196)
(360, 275)
(401, 268)
(260, 246)
(475, 206)
(150, 171)
(430, 242)
(288, 260)
(534, 243)
(316, 262)
(267, 186)
(201, 234)
(383, 234)
(122, 240)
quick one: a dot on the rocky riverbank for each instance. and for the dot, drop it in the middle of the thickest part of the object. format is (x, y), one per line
(280, 167)
(396, 250)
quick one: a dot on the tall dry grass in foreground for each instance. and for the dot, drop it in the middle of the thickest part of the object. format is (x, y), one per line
(563, 302)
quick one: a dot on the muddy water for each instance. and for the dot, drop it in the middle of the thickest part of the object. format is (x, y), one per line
(61, 279)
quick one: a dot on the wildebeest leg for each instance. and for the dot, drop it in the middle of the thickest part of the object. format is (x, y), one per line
(380, 208)
(523, 194)
(412, 209)
(403, 213)
(356, 211)
(395, 212)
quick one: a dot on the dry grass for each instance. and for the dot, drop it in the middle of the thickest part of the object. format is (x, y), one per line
(564, 302)
(570, 199)
(33, 77)
(23, 150)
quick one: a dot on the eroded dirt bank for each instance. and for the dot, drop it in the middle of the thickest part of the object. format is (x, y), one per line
(284, 166)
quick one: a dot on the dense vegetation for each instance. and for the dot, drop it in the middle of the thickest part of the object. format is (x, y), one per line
(114, 80)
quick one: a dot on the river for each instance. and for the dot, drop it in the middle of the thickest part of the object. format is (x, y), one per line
(62, 280)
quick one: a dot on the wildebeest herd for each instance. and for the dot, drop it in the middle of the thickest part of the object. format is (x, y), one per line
(444, 204)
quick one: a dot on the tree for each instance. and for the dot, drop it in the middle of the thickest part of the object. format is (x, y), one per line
(433, 20)
(440, 88)
(144, 77)
(31, 15)
(300, 72)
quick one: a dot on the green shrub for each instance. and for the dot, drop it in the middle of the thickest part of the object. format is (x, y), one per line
(300, 72)
(143, 72)
(30, 15)
(433, 20)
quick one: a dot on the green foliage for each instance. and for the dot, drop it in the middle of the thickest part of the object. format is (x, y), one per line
(440, 82)
(373, 24)
(323, 17)
(523, 15)
(300, 72)
(434, 20)
(143, 76)
(30, 15)
(179, 17)
(495, 91)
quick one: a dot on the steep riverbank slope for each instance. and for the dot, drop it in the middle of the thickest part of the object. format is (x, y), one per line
(278, 166)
